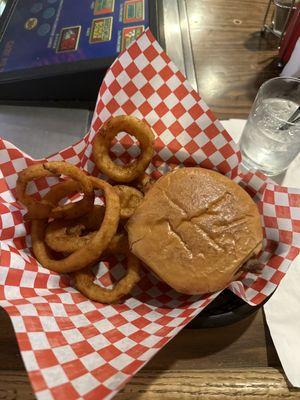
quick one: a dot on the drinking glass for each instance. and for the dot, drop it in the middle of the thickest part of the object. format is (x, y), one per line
(271, 137)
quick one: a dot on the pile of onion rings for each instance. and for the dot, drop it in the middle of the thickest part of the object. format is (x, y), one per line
(73, 237)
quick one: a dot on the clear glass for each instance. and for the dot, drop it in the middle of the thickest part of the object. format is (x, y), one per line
(269, 141)
(281, 12)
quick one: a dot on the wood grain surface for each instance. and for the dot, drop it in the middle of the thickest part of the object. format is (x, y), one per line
(250, 384)
(225, 384)
(232, 59)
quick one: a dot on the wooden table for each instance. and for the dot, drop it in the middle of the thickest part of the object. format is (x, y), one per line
(231, 58)
(239, 360)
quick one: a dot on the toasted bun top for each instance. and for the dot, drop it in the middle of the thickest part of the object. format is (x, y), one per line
(194, 229)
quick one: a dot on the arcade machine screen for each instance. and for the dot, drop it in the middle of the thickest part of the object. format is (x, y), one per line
(60, 49)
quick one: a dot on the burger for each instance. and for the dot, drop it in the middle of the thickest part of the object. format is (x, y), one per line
(196, 230)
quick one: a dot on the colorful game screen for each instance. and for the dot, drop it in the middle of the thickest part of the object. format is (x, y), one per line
(46, 32)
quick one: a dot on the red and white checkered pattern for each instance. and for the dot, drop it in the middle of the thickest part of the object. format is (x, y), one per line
(74, 348)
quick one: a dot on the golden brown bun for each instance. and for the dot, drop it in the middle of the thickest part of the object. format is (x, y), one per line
(195, 228)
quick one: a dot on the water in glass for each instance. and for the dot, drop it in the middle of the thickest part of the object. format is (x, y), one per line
(263, 144)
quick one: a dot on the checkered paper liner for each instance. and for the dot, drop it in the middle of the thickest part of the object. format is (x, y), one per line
(74, 348)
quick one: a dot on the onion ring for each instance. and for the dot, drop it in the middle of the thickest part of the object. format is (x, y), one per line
(45, 207)
(88, 254)
(130, 198)
(101, 145)
(59, 240)
(144, 183)
(84, 282)
(67, 236)
(118, 245)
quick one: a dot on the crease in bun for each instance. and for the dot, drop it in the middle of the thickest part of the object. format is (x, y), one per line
(195, 229)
